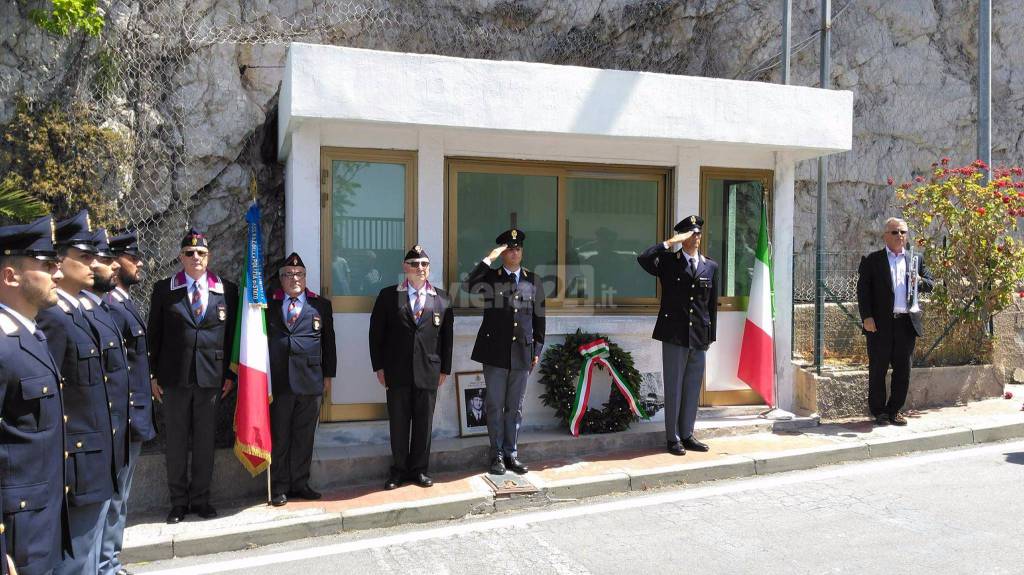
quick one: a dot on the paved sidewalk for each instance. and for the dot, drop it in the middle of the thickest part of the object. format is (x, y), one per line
(456, 495)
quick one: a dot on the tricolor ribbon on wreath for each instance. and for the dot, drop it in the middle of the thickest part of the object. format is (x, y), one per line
(594, 355)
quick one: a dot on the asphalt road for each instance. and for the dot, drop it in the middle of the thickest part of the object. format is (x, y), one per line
(948, 512)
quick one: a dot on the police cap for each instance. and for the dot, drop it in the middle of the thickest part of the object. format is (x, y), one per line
(126, 243)
(76, 232)
(33, 240)
(513, 238)
(694, 223)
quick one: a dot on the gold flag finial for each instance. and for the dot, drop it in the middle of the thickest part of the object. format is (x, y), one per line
(252, 187)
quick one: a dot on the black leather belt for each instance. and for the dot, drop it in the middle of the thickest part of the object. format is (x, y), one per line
(898, 315)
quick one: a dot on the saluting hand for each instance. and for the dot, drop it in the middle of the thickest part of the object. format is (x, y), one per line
(679, 238)
(380, 378)
(158, 392)
(497, 252)
(10, 565)
(228, 386)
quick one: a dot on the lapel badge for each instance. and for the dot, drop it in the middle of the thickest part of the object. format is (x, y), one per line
(222, 312)
(679, 255)
(437, 319)
(316, 323)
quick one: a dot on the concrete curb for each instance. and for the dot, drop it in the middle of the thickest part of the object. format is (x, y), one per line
(477, 502)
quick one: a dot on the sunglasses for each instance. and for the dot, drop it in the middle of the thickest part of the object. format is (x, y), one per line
(293, 275)
(898, 232)
(418, 264)
(193, 253)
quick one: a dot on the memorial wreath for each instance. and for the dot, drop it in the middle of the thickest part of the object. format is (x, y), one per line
(566, 372)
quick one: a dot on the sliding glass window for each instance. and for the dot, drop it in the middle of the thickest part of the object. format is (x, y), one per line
(584, 225)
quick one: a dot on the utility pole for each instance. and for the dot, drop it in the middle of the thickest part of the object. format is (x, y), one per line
(819, 267)
(985, 83)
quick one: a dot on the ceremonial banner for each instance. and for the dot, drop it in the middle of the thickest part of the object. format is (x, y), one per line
(757, 357)
(251, 358)
(594, 354)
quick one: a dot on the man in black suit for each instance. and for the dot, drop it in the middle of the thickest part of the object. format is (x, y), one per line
(191, 330)
(891, 320)
(132, 326)
(31, 413)
(508, 344)
(303, 359)
(91, 475)
(411, 336)
(686, 326)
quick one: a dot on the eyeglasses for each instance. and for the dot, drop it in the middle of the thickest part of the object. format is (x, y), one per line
(293, 275)
(898, 232)
(193, 253)
(418, 264)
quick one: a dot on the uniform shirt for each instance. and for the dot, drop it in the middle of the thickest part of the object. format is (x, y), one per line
(70, 298)
(488, 261)
(898, 273)
(204, 292)
(298, 306)
(417, 293)
(29, 324)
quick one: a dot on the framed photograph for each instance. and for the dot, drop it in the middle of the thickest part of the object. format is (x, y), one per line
(471, 392)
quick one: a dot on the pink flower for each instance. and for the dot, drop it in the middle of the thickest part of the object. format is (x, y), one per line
(889, 181)
(980, 165)
(981, 211)
(918, 179)
(945, 161)
(1008, 395)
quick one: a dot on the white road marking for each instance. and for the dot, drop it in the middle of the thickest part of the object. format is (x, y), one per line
(634, 502)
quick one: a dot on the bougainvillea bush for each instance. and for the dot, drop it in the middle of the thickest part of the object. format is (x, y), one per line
(966, 228)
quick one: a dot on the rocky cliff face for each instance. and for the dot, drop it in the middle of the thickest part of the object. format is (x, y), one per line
(195, 83)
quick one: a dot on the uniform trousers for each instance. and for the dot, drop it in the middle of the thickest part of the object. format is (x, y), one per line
(85, 524)
(684, 371)
(890, 348)
(293, 421)
(411, 421)
(190, 411)
(117, 515)
(506, 390)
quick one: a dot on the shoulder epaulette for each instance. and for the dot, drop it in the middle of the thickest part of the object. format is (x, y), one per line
(86, 303)
(8, 325)
(64, 305)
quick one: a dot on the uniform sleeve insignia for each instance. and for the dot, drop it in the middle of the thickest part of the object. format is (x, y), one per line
(7, 324)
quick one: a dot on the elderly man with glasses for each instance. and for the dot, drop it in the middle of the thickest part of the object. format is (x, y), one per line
(191, 331)
(303, 359)
(891, 320)
(411, 336)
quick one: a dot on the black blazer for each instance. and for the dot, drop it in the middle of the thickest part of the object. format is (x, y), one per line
(177, 342)
(875, 296)
(688, 313)
(411, 353)
(512, 331)
(133, 329)
(115, 374)
(89, 470)
(31, 450)
(303, 355)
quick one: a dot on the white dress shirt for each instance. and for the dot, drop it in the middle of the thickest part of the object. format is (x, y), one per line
(29, 324)
(898, 273)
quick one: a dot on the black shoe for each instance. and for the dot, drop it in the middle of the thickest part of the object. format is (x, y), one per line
(393, 482)
(279, 500)
(692, 444)
(177, 514)
(497, 466)
(422, 479)
(204, 511)
(676, 448)
(513, 464)
(122, 571)
(882, 419)
(306, 493)
(897, 419)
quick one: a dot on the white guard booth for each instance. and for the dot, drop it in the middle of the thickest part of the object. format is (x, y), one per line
(385, 150)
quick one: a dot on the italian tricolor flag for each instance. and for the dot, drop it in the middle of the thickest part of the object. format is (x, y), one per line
(757, 357)
(251, 358)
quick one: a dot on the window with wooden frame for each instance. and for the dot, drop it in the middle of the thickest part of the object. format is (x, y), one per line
(585, 225)
(368, 216)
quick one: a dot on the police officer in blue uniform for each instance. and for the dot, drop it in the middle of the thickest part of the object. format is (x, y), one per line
(303, 359)
(508, 344)
(115, 376)
(191, 330)
(31, 412)
(685, 327)
(132, 326)
(76, 349)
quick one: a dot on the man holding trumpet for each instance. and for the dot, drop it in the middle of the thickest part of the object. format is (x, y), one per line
(887, 286)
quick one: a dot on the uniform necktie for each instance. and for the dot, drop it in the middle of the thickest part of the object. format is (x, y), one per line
(417, 306)
(197, 301)
(293, 311)
(39, 335)
(693, 266)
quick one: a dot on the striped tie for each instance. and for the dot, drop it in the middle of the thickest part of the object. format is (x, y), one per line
(293, 311)
(417, 306)
(197, 301)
